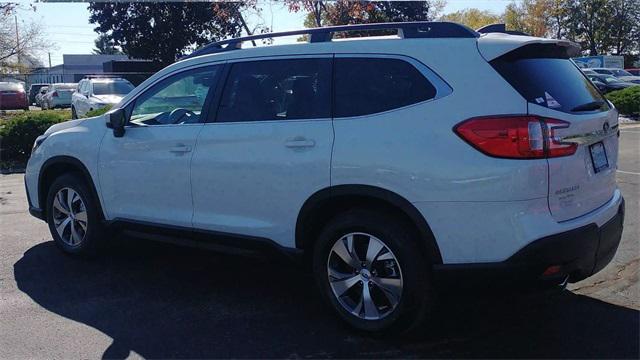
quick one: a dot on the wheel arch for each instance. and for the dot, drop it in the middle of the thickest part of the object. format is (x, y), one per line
(57, 166)
(318, 209)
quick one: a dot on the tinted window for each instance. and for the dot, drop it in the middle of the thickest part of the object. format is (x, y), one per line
(277, 90)
(112, 88)
(544, 77)
(176, 100)
(366, 86)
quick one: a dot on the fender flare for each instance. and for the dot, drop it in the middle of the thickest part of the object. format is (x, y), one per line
(70, 161)
(375, 193)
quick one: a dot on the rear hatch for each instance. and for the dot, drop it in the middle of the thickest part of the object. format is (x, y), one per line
(64, 93)
(555, 88)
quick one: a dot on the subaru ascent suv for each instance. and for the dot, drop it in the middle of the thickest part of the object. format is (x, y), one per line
(391, 164)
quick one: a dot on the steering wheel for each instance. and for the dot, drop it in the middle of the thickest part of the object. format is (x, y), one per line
(178, 114)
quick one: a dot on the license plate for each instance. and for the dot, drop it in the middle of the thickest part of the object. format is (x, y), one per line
(598, 157)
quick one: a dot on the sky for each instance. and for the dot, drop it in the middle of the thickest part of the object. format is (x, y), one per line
(66, 25)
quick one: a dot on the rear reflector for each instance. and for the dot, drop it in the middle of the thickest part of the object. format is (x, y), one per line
(515, 137)
(552, 270)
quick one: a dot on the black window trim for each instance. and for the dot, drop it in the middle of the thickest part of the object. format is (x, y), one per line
(442, 87)
(131, 103)
(215, 104)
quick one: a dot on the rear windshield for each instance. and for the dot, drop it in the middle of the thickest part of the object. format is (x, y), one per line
(10, 86)
(545, 76)
(112, 88)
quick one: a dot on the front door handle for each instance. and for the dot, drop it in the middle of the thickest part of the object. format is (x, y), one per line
(299, 142)
(180, 149)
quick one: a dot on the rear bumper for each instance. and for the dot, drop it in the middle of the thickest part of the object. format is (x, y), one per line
(576, 255)
(34, 211)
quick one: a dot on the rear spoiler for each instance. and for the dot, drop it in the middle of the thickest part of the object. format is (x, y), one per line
(496, 41)
(499, 28)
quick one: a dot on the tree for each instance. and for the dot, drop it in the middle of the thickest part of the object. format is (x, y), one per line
(28, 41)
(164, 31)
(473, 18)
(345, 12)
(599, 26)
(528, 16)
(105, 46)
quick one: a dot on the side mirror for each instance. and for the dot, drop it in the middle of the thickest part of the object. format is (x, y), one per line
(116, 121)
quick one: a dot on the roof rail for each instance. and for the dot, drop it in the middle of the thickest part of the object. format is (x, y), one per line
(406, 30)
(500, 28)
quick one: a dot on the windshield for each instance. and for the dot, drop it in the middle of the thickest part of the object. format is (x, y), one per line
(545, 79)
(112, 88)
(622, 73)
(11, 86)
(65, 86)
(610, 79)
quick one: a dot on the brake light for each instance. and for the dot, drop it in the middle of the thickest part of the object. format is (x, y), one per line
(55, 94)
(515, 137)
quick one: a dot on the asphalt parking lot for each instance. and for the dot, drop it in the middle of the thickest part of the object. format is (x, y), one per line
(152, 300)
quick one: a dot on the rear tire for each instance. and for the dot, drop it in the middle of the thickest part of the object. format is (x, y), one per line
(384, 286)
(73, 216)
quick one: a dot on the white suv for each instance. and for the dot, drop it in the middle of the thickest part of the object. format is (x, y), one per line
(391, 164)
(96, 93)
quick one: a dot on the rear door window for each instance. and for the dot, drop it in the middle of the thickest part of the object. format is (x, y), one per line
(289, 89)
(366, 86)
(544, 76)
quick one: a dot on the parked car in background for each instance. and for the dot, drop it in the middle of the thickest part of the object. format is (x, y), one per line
(13, 96)
(96, 93)
(610, 82)
(40, 94)
(34, 89)
(635, 72)
(619, 73)
(380, 164)
(58, 95)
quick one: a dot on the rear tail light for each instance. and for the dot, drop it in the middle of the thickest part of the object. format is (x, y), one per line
(55, 94)
(516, 137)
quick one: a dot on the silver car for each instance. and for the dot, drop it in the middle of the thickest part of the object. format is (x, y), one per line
(96, 93)
(58, 96)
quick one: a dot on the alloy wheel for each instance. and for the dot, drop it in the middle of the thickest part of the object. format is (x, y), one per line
(365, 276)
(70, 216)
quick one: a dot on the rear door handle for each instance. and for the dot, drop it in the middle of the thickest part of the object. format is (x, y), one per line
(299, 142)
(180, 149)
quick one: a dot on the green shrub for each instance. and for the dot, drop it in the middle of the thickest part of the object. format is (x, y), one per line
(98, 112)
(627, 101)
(18, 132)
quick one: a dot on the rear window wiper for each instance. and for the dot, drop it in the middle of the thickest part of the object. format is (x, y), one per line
(594, 105)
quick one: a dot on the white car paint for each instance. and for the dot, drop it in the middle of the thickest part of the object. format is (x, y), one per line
(242, 178)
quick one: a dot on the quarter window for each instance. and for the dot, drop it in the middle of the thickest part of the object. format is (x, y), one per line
(277, 90)
(370, 85)
(176, 100)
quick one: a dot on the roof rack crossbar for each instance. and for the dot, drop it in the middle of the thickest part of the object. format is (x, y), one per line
(416, 29)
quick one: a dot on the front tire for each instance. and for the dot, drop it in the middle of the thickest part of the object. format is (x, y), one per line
(370, 269)
(73, 113)
(72, 216)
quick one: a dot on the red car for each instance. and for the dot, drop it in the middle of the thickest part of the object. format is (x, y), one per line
(13, 96)
(635, 72)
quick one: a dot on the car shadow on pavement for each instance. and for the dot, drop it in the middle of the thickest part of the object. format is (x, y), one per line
(163, 301)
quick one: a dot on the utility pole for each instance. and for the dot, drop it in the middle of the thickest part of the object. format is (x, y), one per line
(49, 69)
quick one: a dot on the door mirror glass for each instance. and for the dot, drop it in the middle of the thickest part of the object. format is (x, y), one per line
(116, 121)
